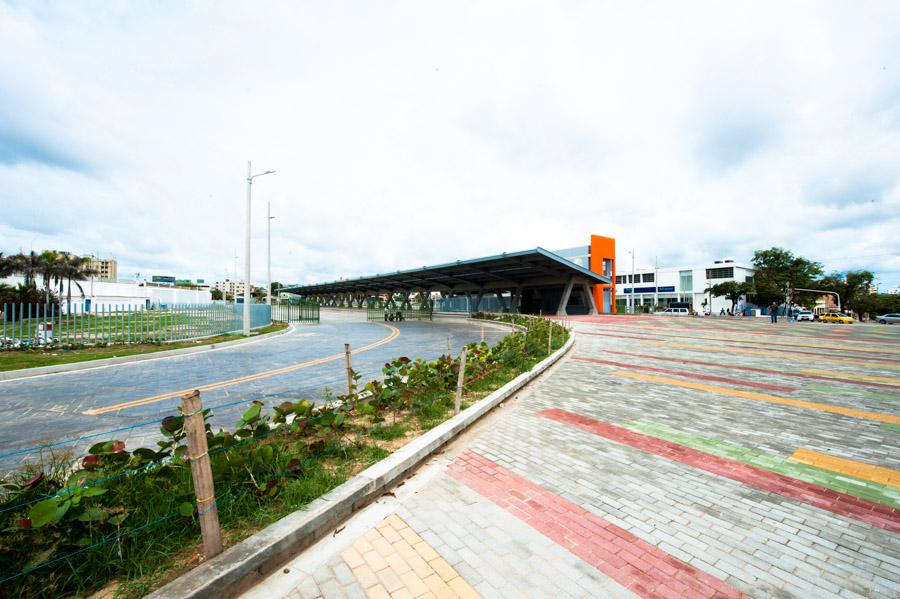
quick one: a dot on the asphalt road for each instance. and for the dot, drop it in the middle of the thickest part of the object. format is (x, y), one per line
(291, 366)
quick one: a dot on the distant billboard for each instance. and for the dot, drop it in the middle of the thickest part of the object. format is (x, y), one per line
(163, 280)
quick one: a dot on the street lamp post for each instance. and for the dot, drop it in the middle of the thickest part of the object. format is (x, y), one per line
(250, 178)
(632, 281)
(269, 257)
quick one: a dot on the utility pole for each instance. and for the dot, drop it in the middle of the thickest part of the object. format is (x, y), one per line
(632, 280)
(655, 283)
(250, 178)
(269, 258)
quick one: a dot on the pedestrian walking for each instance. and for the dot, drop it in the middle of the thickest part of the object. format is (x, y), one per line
(773, 312)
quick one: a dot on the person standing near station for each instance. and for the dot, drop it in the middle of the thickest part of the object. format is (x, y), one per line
(773, 312)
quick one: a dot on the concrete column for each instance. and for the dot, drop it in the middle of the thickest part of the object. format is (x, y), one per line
(589, 293)
(514, 297)
(564, 300)
(478, 300)
(499, 295)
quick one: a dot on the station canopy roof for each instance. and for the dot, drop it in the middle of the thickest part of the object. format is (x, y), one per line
(529, 268)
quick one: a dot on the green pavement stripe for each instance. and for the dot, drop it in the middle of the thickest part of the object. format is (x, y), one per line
(774, 463)
(891, 427)
(851, 392)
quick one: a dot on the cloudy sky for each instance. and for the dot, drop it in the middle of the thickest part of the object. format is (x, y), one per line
(412, 133)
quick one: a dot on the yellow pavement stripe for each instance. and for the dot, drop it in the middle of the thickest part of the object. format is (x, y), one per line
(876, 474)
(846, 375)
(774, 354)
(809, 405)
(251, 377)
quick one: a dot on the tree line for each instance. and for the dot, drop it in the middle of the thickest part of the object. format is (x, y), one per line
(779, 273)
(55, 270)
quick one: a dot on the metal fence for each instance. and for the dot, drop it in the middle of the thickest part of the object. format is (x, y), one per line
(489, 303)
(301, 312)
(396, 314)
(24, 326)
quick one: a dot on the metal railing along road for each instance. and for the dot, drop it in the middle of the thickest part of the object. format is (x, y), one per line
(24, 326)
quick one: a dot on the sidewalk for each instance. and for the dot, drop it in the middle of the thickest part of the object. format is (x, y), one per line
(599, 481)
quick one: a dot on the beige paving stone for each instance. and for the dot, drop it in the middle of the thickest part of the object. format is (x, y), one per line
(353, 557)
(414, 584)
(365, 576)
(383, 546)
(443, 569)
(389, 533)
(410, 536)
(462, 588)
(375, 561)
(438, 586)
(405, 550)
(402, 594)
(396, 522)
(390, 579)
(419, 565)
(377, 592)
(425, 550)
(397, 563)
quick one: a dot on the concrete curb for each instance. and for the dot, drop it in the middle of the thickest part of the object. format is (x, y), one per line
(243, 565)
(88, 364)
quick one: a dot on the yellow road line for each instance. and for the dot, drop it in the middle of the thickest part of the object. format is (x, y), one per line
(876, 474)
(846, 375)
(250, 377)
(774, 354)
(809, 405)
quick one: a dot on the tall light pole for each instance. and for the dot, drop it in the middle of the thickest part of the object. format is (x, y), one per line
(250, 178)
(632, 280)
(269, 258)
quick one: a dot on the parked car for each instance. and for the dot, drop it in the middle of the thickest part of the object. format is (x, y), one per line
(836, 317)
(888, 318)
(804, 315)
(675, 312)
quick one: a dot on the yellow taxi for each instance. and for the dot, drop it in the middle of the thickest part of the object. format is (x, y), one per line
(837, 317)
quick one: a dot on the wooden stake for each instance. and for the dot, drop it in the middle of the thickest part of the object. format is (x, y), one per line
(449, 349)
(198, 455)
(549, 336)
(459, 381)
(482, 333)
(349, 370)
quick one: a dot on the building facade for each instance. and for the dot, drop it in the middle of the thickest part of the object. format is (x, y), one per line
(232, 288)
(107, 269)
(663, 287)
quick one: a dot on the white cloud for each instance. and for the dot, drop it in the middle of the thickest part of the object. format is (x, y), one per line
(407, 133)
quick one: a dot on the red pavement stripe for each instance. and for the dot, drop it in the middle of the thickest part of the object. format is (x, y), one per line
(617, 336)
(876, 514)
(635, 564)
(770, 371)
(691, 375)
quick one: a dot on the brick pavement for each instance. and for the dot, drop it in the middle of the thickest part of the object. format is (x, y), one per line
(595, 484)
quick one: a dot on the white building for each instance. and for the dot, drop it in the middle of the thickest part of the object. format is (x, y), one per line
(90, 295)
(893, 290)
(684, 284)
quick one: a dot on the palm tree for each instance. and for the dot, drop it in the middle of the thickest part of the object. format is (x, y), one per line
(7, 265)
(75, 268)
(28, 265)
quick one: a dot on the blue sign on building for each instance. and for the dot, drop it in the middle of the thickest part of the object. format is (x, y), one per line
(669, 289)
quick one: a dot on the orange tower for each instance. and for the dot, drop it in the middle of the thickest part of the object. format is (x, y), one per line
(603, 262)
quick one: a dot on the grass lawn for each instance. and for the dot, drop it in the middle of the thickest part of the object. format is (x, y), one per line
(16, 359)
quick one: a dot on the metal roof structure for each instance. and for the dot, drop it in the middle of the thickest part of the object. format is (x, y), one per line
(535, 268)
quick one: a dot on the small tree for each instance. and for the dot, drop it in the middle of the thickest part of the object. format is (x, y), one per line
(216, 294)
(731, 290)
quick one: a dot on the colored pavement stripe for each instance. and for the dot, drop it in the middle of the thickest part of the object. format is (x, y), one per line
(244, 379)
(391, 558)
(861, 377)
(850, 392)
(857, 487)
(878, 474)
(773, 354)
(753, 369)
(842, 504)
(796, 403)
(693, 375)
(891, 427)
(632, 562)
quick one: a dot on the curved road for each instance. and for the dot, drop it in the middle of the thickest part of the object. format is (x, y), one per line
(296, 365)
